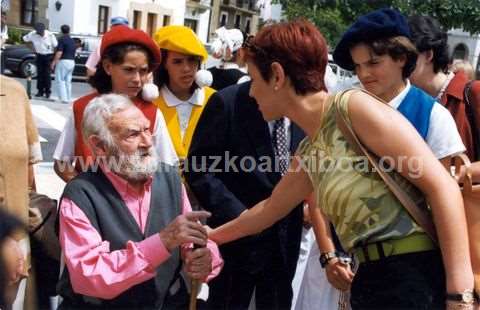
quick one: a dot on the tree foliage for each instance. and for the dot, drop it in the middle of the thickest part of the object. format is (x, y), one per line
(333, 16)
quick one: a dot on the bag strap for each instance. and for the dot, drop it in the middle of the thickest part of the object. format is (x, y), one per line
(416, 212)
(471, 109)
(458, 161)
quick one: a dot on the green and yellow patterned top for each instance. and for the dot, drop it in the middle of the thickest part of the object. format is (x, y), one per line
(356, 200)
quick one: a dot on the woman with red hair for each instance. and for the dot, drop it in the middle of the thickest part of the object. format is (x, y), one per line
(286, 63)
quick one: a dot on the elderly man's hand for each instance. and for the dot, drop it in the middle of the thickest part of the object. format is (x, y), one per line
(198, 263)
(185, 229)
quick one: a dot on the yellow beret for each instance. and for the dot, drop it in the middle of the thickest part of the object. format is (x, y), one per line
(180, 39)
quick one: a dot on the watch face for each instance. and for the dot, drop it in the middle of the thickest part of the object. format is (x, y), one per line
(325, 257)
(467, 297)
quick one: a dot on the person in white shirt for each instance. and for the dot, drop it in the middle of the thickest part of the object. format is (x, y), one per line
(44, 43)
(128, 56)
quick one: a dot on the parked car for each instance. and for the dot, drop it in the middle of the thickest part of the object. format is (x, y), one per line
(20, 59)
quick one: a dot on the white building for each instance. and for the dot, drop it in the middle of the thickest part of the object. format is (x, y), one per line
(465, 46)
(91, 17)
(269, 10)
(197, 17)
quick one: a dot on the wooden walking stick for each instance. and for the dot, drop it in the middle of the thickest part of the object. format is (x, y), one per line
(195, 285)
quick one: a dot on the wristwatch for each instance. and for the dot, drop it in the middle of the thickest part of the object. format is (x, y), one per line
(326, 257)
(466, 297)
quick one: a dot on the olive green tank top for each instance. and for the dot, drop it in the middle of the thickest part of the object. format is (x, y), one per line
(355, 199)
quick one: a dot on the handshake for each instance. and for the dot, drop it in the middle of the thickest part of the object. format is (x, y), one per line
(184, 231)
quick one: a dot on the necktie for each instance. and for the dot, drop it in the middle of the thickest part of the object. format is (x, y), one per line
(280, 146)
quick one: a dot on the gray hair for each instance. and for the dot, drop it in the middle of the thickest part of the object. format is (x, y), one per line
(99, 112)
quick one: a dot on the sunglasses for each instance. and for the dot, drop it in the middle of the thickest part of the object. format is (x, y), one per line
(248, 44)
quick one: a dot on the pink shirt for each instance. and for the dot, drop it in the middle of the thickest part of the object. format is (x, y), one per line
(98, 272)
(94, 57)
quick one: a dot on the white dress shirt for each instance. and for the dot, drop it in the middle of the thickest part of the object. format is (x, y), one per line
(43, 45)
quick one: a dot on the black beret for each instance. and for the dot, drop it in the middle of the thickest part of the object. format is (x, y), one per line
(383, 23)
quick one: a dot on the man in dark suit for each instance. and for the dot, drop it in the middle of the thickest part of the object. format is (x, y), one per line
(228, 170)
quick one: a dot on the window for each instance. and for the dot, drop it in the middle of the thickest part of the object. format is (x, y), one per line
(151, 23)
(223, 19)
(251, 5)
(137, 19)
(460, 52)
(247, 25)
(102, 19)
(238, 18)
(28, 16)
(166, 20)
(191, 23)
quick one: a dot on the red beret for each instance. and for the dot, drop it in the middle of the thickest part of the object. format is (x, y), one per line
(124, 34)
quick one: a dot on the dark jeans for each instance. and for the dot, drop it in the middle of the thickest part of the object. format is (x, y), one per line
(44, 82)
(409, 281)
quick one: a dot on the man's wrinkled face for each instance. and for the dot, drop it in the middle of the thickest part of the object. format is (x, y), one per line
(136, 158)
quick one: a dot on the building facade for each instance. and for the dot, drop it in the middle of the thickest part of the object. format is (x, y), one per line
(92, 17)
(465, 46)
(240, 14)
(197, 17)
(23, 14)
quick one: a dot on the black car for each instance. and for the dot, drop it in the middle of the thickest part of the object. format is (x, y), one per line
(20, 60)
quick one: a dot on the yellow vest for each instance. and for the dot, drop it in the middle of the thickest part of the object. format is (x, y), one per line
(173, 123)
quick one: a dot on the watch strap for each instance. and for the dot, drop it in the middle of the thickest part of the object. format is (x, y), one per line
(326, 257)
(466, 297)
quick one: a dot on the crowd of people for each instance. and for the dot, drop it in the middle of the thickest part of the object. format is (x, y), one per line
(252, 177)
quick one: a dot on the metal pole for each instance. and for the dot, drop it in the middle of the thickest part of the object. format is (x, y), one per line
(29, 85)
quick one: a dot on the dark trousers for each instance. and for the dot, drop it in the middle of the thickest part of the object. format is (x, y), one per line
(44, 82)
(233, 288)
(409, 281)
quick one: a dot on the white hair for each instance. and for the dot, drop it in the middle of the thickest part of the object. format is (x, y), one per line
(98, 113)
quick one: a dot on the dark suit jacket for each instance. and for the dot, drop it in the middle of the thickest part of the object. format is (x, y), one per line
(231, 125)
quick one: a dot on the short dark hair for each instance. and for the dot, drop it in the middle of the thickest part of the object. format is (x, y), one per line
(160, 76)
(396, 47)
(65, 29)
(298, 46)
(428, 34)
(101, 81)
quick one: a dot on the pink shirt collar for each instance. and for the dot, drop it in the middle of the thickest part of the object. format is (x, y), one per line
(137, 203)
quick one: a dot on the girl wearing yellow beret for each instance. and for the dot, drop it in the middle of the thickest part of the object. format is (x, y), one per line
(181, 99)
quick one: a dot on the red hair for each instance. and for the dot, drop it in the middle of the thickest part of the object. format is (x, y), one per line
(298, 46)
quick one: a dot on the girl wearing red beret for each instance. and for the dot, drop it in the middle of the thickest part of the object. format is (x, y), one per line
(128, 56)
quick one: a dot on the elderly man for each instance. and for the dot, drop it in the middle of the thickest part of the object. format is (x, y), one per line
(126, 227)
